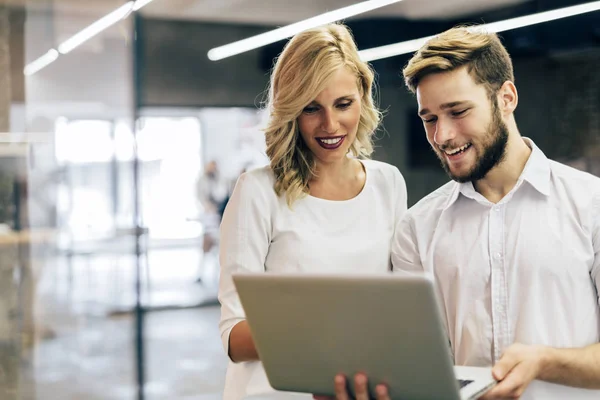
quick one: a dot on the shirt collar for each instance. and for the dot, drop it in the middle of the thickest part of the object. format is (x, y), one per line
(537, 169)
(536, 173)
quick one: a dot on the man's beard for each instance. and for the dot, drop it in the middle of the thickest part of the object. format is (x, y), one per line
(493, 152)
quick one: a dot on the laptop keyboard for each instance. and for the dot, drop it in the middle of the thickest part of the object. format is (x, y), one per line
(463, 382)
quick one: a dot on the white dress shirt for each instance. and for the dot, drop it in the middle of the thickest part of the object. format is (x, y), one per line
(525, 270)
(260, 233)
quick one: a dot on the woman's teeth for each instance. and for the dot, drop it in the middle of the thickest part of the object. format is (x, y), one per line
(331, 141)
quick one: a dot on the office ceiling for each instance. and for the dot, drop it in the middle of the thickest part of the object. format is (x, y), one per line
(269, 12)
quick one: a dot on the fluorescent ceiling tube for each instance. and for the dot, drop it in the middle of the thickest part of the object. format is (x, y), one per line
(276, 35)
(409, 46)
(95, 28)
(140, 3)
(41, 62)
(391, 50)
(546, 16)
(84, 35)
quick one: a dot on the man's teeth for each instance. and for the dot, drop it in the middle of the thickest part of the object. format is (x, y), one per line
(458, 150)
(331, 141)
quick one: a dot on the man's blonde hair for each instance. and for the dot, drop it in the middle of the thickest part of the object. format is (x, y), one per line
(481, 52)
(301, 72)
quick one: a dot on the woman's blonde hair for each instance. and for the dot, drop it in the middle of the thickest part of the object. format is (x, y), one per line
(301, 72)
(481, 52)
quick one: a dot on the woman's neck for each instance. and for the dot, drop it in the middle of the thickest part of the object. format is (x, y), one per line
(336, 173)
(338, 181)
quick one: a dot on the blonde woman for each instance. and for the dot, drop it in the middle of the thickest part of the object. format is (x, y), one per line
(321, 205)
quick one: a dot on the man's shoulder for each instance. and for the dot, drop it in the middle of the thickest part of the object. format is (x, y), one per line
(574, 178)
(432, 205)
(564, 170)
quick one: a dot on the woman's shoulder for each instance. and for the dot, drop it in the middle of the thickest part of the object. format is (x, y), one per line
(258, 182)
(387, 178)
(382, 170)
(260, 175)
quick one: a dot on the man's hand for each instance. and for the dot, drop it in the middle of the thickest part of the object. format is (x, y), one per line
(519, 366)
(361, 388)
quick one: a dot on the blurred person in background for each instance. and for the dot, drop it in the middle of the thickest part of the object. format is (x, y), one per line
(213, 192)
(321, 205)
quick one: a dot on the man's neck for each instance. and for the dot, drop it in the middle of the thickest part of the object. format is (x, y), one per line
(504, 176)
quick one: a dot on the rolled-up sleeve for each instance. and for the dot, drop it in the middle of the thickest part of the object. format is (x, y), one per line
(245, 235)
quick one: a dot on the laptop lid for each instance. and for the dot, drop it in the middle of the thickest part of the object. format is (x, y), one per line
(307, 328)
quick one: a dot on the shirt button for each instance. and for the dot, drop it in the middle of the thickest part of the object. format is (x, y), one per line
(497, 209)
(498, 256)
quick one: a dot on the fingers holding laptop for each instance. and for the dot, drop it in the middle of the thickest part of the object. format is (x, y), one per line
(341, 393)
(361, 388)
(516, 369)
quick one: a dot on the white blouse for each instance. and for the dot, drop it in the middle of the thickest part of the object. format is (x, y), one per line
(259, 233)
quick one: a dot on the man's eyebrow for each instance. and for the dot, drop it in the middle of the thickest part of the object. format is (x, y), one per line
(445, 106)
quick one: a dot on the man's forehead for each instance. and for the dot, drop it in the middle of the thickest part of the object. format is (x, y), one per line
(447, 91)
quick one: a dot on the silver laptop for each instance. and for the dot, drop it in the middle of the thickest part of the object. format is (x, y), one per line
(308, 328)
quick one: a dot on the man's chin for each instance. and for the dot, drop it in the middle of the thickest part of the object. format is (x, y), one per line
(460, 178)
(452, 175)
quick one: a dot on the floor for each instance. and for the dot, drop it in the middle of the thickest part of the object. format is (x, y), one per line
(85, 346)
(184, 359)
(84, 305)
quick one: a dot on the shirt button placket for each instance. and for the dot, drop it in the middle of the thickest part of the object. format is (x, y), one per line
(498, 298)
